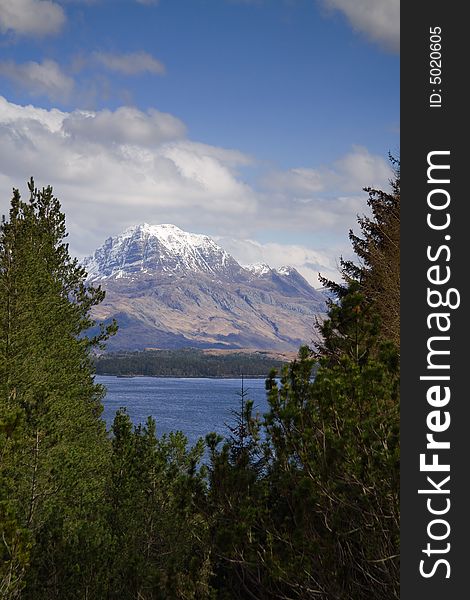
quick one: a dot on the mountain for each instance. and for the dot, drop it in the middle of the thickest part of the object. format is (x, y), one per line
(168, 288)
(159, 249)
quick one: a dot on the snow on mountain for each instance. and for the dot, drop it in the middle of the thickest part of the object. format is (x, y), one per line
(168, 249)
(285, 270)
(258, 269)
(158, 248)
(168, 288)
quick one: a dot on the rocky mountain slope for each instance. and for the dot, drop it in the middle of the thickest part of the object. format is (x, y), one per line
(168, 288)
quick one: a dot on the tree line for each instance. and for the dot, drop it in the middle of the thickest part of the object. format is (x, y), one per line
(302, 502)
(186, 362)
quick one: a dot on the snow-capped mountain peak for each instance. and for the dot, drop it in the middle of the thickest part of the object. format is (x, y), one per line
(258, 268)
(169, 288)
(157, 248)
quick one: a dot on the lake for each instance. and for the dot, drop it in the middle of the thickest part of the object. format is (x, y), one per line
(193, 406)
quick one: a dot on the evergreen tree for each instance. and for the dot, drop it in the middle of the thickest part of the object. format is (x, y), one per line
(329, 503)
(377, 274)
(55, 449)
(236, 504)
(334, 479)
(333, 440)
(159, 546)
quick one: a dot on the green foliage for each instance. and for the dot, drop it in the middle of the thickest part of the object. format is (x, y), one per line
(351, 330)
(158, 535)
(53, 442)
(235, 504)
(334, 466)
(377, 273)
(320, 518)
(14, 551)
(188, 362)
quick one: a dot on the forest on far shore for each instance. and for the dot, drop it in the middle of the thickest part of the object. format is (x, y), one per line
(187, 362)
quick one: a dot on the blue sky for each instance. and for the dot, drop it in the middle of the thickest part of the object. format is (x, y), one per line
(255, 121)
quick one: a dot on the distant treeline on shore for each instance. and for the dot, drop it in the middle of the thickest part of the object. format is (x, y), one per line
(188, 362)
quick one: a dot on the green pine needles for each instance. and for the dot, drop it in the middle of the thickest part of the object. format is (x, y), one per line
(54, 445)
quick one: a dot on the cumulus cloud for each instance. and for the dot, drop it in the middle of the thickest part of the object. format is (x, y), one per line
(125, 125)
(31, 17)
(130, 64)
(39, 79)
(349, 174)
(379, 20)
(299, 181)
(134, 166)
(207, 168)
(359, 169)
(309, 262)
(328, 196)
(113, 169)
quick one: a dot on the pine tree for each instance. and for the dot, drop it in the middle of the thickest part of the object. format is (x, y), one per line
(158, 535)
(236, 503)
(376, 271)
(334, 479)
(333, 435)
(55, 450)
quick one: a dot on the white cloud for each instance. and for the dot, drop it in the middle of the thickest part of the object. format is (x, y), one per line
(309, 262)
(125, 125)
(379, 20)
(39, 79)
(360, 169)
(131, 167)
(130, 64)
(31, 17)
(231, 157)
(13, 115)
(298, 181)
(349, 174)
(148, 2)
(113, 169)
(206, 168)
(326, 197)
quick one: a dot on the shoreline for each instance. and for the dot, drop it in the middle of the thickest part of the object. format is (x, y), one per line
(186, 377)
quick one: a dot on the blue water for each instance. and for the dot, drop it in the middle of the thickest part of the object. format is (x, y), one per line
(193, 406)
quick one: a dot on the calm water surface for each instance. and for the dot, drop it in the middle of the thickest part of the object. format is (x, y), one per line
(193, 406)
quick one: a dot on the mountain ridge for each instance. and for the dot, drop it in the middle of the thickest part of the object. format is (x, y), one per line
(171, 288)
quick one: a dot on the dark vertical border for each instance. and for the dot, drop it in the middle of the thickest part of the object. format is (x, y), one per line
(425, 129)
